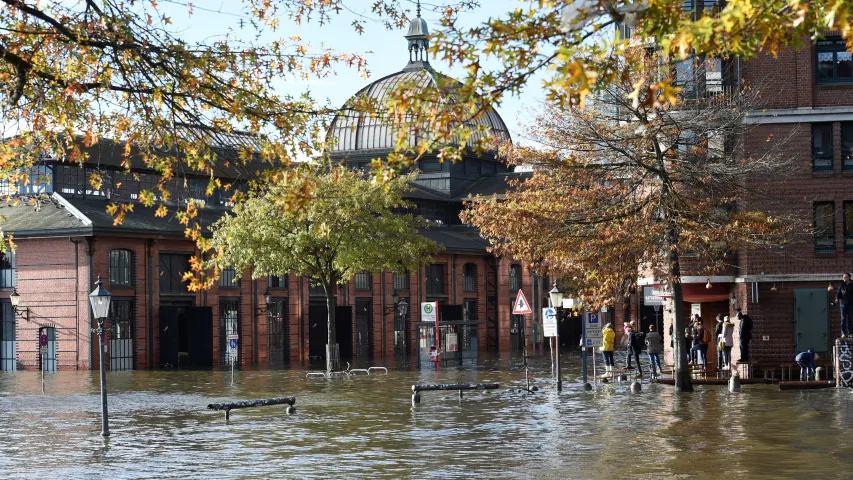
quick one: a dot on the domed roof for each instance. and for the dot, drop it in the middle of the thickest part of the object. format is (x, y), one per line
(352, 131)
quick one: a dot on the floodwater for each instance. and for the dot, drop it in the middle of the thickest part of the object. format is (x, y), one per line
(366, 427)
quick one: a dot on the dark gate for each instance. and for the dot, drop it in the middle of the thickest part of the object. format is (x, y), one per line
(516, 330)
(229, 324)
(278, 338)
(318, 320)
(363, 329)
(186, 337)
(121, 335)
(8, 340)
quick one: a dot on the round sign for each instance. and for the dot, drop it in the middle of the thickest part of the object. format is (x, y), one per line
(428, 308)
(233, 343)
(43, 340)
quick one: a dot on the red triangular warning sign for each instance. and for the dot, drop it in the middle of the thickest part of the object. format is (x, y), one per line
(521, 305)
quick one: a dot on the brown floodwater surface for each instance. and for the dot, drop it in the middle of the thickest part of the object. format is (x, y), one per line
(366, 427)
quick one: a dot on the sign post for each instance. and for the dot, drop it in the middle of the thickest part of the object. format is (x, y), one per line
(522, 307)
(551, 330)
(233, 342)
(429, 313)
(591, 337)
(43, 352)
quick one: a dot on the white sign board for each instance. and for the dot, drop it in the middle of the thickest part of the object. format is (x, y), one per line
(594, 342)
(429, 311)
(695, 309)
(549, 322)
(592, 322)
(570, 303)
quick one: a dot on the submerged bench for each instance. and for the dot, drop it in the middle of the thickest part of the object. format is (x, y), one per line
(416, 389)
(228, 406)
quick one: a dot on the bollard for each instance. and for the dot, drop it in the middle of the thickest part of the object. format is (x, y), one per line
(416, 399)
(818, 374)
(587, 387)
(734, 383)
(636, 387)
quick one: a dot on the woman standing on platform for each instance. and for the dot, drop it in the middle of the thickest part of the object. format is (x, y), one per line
(728, 342)
(608, 337)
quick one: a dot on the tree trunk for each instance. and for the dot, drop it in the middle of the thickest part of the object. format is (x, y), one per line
(682, 370)
(332, 352)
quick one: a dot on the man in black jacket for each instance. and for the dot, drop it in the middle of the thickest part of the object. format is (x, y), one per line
(844, 297)
(745, 335)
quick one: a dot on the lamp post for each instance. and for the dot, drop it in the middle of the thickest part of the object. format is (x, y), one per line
(100, 301)
(556, 297)
(402, 310)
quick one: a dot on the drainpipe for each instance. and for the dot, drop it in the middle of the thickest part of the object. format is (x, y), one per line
(382, 294)
(76, 302)
(255, 319)
(300, 281)
(150, 314)
(89, 249)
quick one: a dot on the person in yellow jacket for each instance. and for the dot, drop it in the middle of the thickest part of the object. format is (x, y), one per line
(608, 337)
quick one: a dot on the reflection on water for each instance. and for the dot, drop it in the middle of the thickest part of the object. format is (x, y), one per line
(366, 427)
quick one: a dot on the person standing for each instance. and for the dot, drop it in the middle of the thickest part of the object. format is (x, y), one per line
(718, 330)
(844, 298)
(626, 342)
(701, 337)
(745, 334)
(654, 347)
(728, 341)
(635, 346)
(608, 337)
(806, 361)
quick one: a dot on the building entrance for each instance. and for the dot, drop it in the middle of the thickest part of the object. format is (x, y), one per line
(186, 337)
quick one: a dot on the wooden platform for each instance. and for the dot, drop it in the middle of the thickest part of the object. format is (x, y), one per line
(719, 381)
(805, 384)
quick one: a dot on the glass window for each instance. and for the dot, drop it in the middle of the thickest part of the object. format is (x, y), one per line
(515, 277)
(121, 267)
(848, 226)
(834, 62)
(822, 146)
(401, 281)
(824, 226)
(7, 269)
(8, 340)
(362, 281)
(684, 76)
(316, 289)
(435, 279)
(172, 269)
(847, 145)
(469, 277)
(275, 281)
(228, 278)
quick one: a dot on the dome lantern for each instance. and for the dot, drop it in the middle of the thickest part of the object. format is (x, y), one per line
(418, 38)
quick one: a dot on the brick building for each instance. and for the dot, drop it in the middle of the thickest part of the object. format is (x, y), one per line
(65, 240)
(808, 95)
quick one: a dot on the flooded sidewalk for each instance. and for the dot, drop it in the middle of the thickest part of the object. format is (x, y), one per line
(366, 427)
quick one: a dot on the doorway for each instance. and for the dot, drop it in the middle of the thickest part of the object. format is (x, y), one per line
(811, 316)
(121, 339)
(279, 351)
(186, 337)
(363, 329)
(318, 321)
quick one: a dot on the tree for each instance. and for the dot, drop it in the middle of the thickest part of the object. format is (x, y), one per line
(626, 186)
(348, 226)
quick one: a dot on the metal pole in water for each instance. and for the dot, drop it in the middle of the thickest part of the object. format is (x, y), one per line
(105, 427)
(583, 352)
(232, 372)
(557, 356)
(43, 361)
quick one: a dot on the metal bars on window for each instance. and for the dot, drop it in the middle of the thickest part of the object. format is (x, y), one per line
(278, 332)
(362, 281)
(469, 277)
(121, 335)
(401, 281)
(514, 277)
(228, 278)
(229, 324)
(8, 340)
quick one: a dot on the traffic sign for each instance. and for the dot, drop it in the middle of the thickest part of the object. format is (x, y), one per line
(549, 322)
(594, 342)
(521, 306)
(233, 343)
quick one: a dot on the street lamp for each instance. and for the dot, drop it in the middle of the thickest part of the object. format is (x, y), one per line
(556, 297)
(100, 301)
(15, 299)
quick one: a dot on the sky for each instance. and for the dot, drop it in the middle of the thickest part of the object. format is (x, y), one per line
(385, 50)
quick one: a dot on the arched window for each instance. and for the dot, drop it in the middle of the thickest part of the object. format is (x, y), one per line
(362, 281)
(469, 277)
(515, 277)
(121, 267)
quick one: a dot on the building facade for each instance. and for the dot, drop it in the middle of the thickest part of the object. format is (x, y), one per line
(66, 240)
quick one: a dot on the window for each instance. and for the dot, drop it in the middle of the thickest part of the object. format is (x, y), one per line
(847, 145)
(469, 277)
(848, 226)
(435, 279)
(7, 269)
(278, 334)
(834, 62)
(8, 343)
(469, 310)
(316, 289)
(172, 268)
(824, 226)
(362, 281)
(684, 76)
(822, 146)
(121, 263)
(623, 32)
(401, 281)
(515, 277)
(121, 334)
(275, 281)
(228, 278)
(39, 179)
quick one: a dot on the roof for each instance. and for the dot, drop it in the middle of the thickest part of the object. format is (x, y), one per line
(496, 184)
(55, 215)
(457, 238)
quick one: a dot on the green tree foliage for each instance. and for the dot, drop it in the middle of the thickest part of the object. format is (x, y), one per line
(349, 225)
